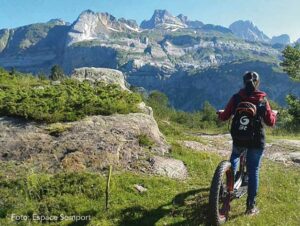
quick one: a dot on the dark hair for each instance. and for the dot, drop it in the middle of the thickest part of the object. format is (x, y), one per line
(251, 81)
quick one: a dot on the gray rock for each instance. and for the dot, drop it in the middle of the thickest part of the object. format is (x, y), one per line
(4, 38)
(55, 83)
(295, 157)
(211, 146)
(90, 25)
(93, 143)
(145, 109)
(108, 76)
(140, 188)
(282, 151)
(172, 168)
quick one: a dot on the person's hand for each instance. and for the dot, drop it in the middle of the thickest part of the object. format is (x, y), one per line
(275, 112)
(262, 109)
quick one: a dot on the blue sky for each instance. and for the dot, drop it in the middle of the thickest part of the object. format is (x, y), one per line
(274, 17)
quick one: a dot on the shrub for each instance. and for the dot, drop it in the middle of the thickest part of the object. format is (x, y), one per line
(69, 100)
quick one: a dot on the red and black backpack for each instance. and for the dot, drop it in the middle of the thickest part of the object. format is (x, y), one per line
(246, 124)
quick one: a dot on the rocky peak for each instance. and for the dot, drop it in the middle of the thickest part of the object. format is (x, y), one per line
(248, 31)
(87, 15)
(281, 39)
(183, 18)
(107, 18)
(163, 19)
(57, 22)
(161, 13)
(91, 26)
(194, 24)
(130, 24)
(190, 23)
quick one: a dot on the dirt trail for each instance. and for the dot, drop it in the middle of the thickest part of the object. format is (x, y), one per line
(282, 150)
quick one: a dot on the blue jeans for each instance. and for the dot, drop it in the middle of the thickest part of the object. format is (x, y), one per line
(254, 156)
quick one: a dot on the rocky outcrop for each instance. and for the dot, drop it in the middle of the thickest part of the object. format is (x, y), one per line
(92, 143)
(248, 31)
(4, 37)
(126, 141)
(286, 152)
(105, 75)
(33, 48)
(281, 39)
(190, 23)
(30, 36)
(90, 25)
(89, 56)
(163, 19)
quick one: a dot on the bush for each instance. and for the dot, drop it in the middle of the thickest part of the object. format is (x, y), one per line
(69, 100)
(294, 112)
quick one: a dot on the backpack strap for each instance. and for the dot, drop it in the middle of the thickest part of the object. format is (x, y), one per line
(236, 100)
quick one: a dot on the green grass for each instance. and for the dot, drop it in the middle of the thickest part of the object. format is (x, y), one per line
(166, 202)
(145, 141)
(278, 198)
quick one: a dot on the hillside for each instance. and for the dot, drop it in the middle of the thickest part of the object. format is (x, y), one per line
(151, 55)
(161, 168)
(77, 124)
(189, 91)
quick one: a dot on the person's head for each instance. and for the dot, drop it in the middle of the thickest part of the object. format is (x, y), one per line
(251, 81)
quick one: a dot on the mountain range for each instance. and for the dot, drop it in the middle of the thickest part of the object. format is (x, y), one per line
(167, 53)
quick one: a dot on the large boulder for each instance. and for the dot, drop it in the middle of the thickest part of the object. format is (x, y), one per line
(93, 143)
(105, 75)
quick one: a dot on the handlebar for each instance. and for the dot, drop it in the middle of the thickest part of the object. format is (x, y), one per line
(276, 112)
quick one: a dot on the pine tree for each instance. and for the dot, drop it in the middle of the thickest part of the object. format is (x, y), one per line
(291, 65)
(291, 62)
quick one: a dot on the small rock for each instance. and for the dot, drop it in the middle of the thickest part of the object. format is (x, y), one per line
(193, 145)
(145, 109)
(140, 188)
(295, 157)
(55, 83)
(172, 168)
